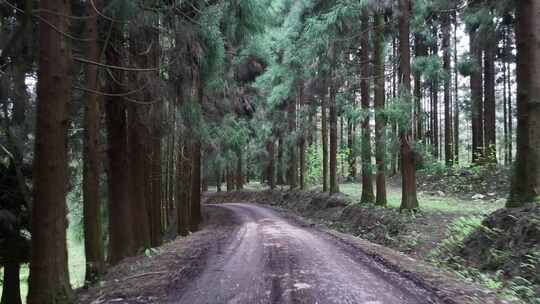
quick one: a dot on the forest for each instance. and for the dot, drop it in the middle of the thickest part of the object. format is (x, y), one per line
(269, 151)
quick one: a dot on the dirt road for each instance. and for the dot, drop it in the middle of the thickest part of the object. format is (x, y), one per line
(272, 260)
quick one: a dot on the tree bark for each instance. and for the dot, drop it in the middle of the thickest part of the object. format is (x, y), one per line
(93, 243)
(367, 173)
(526, 179)
(448, 138)
(137, 177)
(420, 51)
(434, 89)
(334, 186)
(380, 119)
(476, 99)
(409, 198)
(292, 169)
(456, 94)
(121, 234)
(270, 164)
(49, 276)
(324, 141)
(489, 97)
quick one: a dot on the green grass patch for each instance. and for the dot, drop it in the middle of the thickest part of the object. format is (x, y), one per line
(430, 202)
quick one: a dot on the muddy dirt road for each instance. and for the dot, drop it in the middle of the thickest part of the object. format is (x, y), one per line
(272, 260)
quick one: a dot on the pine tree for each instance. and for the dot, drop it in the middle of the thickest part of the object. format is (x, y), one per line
(49, 277)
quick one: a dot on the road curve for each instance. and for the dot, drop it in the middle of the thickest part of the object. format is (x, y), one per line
(272, 260)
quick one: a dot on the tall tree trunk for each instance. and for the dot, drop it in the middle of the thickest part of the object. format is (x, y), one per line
(526, 179)
(334, 186)
(239, 176)
(489, 97)
(270, 165)
(505, 103)
(324, 141)
(476, 97)
(351, 136)
(121, 234)
(380, 119)
(510, 116)
(367, 173)
(49, 277)
(434, 90)
(195, 215)
(456, 94)
(292, 169)
(302, 139)
(420, 51)
(409, 198)
(137, 177)
(448, 138)
(280, 179)
(93, 244)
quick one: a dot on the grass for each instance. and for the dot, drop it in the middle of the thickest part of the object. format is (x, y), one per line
(431, 203)
(428, 203)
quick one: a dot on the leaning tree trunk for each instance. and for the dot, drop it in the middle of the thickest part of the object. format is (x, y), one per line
(526, 179)
(49, 277)
(367, 174)
(380, 120)
(93, 244)
(409, 198)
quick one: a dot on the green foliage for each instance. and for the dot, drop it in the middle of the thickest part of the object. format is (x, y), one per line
(313, 165)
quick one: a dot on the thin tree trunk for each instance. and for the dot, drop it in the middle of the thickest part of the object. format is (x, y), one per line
(435, 101)
(380, 120)
(49, 277)
(367, 173)
(526, 180)
(270, 165)
(93, 244)
(324, 141)
(448, 139)
(456, 94)
(350, 145)
(292, 170)
(334, 186)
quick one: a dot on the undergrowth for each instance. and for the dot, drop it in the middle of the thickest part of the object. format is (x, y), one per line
(446, 255)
